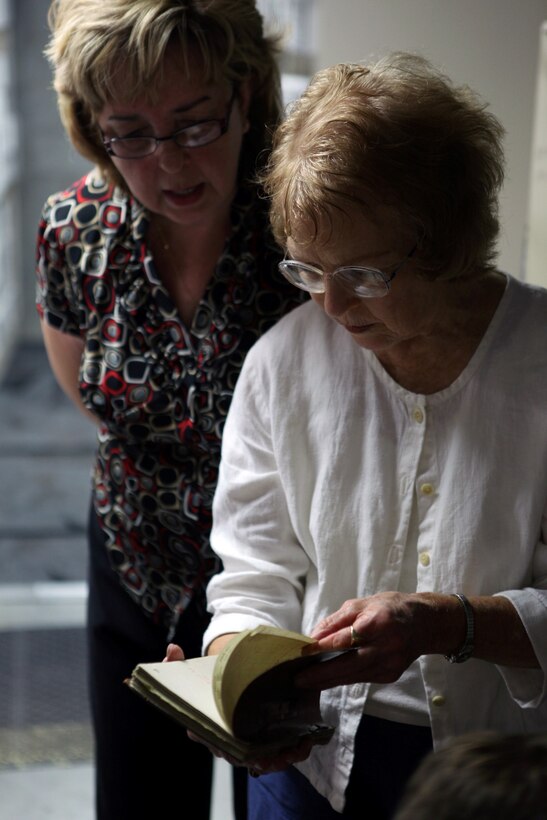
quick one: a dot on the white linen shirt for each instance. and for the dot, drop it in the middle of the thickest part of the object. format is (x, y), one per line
(323, 456)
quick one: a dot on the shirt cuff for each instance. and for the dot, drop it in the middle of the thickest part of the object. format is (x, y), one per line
(528, 687)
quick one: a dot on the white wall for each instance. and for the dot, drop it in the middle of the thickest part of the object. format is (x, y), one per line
(492, 45)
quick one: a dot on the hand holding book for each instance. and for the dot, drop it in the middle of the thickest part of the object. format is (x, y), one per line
(243, 702)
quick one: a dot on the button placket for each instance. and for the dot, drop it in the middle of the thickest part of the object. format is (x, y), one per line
(426, 494)
(410, 456)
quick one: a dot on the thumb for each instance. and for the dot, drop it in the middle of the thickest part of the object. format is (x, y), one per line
(173, 653)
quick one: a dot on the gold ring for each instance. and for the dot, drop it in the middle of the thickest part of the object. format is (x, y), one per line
(356, 640)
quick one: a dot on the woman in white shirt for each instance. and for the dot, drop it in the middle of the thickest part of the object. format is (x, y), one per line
(384, 470)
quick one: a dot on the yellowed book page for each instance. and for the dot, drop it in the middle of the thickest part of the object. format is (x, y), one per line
(189, 681)
(246, 657)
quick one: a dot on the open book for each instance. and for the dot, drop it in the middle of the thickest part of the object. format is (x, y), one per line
(243, 700)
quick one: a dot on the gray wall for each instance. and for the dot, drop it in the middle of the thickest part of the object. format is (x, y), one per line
(9, 191)
(48, 162)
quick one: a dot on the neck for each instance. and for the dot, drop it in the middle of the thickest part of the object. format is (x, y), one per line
(185, 261)
(188, 247)
(432, 361)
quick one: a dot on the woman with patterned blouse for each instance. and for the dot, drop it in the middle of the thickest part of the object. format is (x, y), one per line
(156, 273)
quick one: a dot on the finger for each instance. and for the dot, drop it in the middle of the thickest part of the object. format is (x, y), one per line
(347, 636)
(213, 749)
(283, 760)
(356, 638)
(173, 653)
(333, 622)
(336, 641)
(351, 667)
(345, 616)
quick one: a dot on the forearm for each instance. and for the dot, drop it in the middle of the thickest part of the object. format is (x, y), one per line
(218, 644)
(393, 629)
(64, 353)
(500, 636)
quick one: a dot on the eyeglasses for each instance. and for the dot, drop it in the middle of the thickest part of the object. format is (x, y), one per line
(195, 135)
(364, 282)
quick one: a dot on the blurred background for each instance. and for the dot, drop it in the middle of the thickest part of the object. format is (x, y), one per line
(499, 47)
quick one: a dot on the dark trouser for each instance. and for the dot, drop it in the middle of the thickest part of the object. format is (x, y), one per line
(386, 755)
(146, 767)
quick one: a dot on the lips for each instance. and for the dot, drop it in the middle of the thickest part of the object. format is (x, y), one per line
(357, 328)
(184, 196)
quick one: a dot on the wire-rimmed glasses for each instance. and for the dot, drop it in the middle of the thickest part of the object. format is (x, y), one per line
(365, 282)
(194, 135)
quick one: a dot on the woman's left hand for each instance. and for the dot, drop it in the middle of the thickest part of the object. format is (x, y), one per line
(285, 758)
(387, 630)
(173, 653)
(265, 765)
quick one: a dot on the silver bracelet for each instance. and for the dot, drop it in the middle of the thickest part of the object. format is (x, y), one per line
(466, 649)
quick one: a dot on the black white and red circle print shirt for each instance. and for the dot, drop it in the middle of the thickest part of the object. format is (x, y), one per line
(160, 389)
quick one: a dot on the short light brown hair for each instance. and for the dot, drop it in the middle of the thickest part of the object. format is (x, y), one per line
(92, 41)
(395, 133)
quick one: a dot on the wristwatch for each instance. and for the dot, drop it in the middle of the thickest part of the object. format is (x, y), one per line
(466, 649)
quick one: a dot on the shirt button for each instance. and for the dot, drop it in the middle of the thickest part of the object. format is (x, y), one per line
(427, 489)
(418, 415)
(438, 700)
(425, 559)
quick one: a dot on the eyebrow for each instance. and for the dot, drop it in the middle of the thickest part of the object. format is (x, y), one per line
(180, 110)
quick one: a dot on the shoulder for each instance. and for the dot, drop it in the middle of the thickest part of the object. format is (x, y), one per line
(525, 290)
(306, 321)
(290, 342)
(91, 187)
(85, 210)
(517, 349)
(87, 201)
(526, 306)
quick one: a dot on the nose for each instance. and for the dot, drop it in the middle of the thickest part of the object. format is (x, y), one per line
(171, 156)
(337, 298)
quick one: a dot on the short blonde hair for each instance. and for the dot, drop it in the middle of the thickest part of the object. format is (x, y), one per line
(395, 133)
(92, 41)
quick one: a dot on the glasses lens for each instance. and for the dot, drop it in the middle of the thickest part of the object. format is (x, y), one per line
(132, 147)
(364, 282)
(201, 133)
(302, 276)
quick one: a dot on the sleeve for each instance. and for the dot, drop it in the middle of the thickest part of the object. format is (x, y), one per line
(55, 300)
(264, 566)
(529, 686)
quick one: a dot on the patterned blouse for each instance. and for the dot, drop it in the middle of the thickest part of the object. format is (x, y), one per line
(160, 389)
